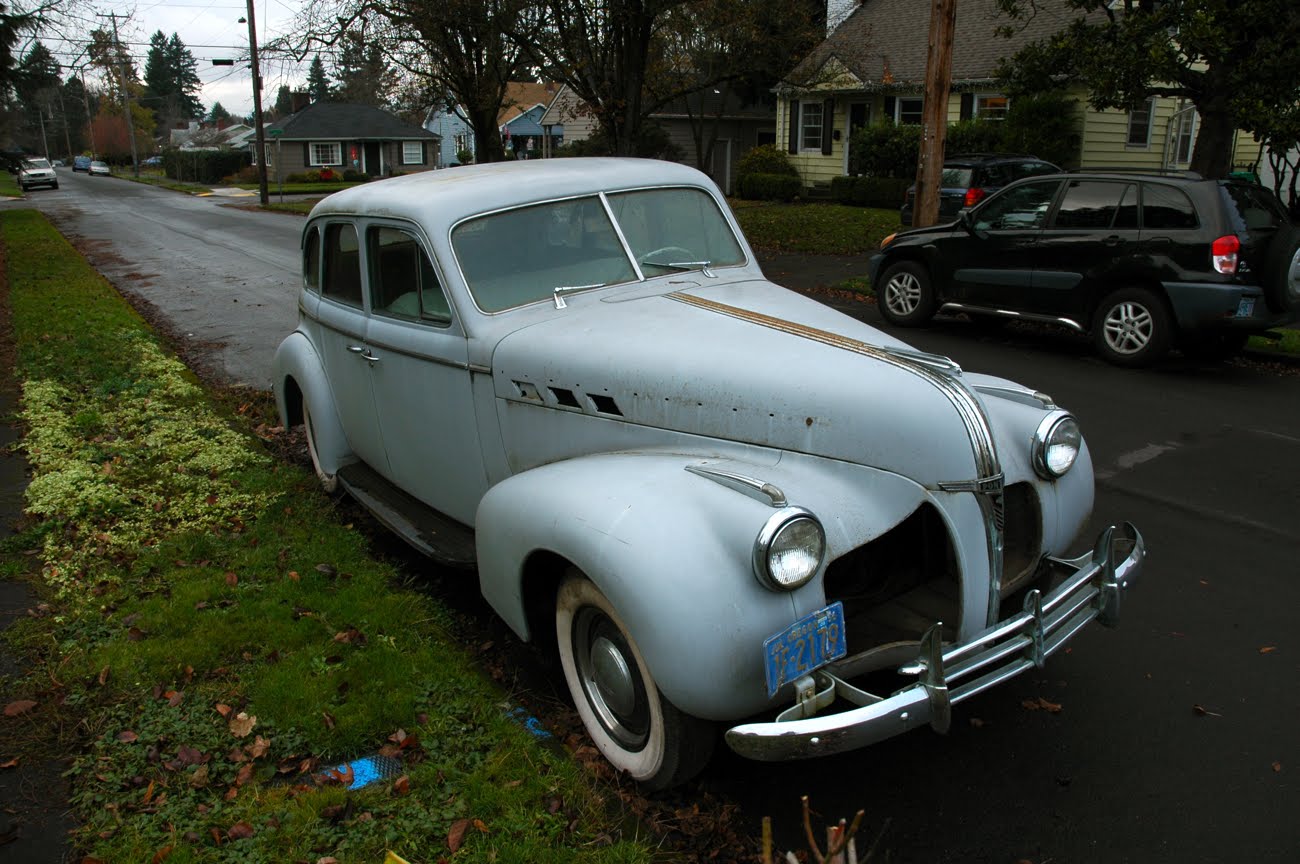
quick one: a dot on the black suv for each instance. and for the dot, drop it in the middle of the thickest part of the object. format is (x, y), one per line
(971, 177)
(1142, 261)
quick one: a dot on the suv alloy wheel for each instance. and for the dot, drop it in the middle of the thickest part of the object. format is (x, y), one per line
(1132, 327)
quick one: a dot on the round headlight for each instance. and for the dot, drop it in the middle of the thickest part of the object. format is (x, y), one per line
(1057, 443)
(789, 549)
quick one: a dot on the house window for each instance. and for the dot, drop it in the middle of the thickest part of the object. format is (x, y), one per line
(329, 153)
(907, 109)
(810, 126)
(1139, 124)
(1186, 136)
(270, 155)
(462, 141)
(412, 153)
(991, 106)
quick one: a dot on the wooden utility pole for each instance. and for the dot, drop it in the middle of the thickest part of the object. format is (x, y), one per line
(934, 129)
(126, 92)
(263, 195)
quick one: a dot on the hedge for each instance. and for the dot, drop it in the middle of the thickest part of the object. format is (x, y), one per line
(203, 166)
(884, 192)
(769, 187)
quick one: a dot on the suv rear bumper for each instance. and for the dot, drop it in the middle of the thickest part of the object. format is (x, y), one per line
(1092, 590)
(1210, 306)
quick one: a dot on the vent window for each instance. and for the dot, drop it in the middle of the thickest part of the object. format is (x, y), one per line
(605, 405)
(565, 397)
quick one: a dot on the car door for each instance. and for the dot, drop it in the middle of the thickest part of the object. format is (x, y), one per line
(421, 378)
(993, 263)
(341, 339)
(1090, 236)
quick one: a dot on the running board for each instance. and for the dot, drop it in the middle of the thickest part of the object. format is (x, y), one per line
(1012, 315)
(441, 538)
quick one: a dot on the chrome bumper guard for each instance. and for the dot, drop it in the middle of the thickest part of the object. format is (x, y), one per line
(947, 676)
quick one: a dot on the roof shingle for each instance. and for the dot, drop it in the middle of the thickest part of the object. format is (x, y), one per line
(333, 120)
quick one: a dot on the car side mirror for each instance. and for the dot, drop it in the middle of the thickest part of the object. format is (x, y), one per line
(968, 222)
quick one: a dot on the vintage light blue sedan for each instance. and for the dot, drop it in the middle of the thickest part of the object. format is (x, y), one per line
(721, 502)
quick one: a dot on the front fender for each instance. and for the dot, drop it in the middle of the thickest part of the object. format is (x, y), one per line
(298, 378)
(673, 553)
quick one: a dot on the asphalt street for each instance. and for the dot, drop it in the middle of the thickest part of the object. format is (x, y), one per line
(1173, 738)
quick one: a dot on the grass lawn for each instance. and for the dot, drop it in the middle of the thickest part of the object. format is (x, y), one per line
(215, 637)
(321, 188)
(814, 228)
(157, 178)
(9, 185)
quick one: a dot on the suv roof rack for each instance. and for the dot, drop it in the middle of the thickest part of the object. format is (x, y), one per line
(1133, 169)
(991, 156)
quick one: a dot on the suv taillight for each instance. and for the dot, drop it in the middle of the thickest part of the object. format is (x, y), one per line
(1223, 254)
(974, 195)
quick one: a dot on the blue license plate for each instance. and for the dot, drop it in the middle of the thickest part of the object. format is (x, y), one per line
(1246, 307)
(807, 644)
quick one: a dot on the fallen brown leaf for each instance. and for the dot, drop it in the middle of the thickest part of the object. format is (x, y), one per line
(1277, 767)
(232, 578)
(456, 834)
(224, 710)
(12, 763)
(1268, 649)
(1041, 704)
(244, 774)
(240, 831)
(1202, 711)
(242, 724)
(329, 719)
(175, 697)
(161, 854)
(260, 747)
(126, 736)
(103, 676)
(293, 576)
(402, 785)
(20, 707)
(199, 779)
(481, 826)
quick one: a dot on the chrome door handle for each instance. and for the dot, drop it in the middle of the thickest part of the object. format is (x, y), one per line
(364, 352)
(356, 349)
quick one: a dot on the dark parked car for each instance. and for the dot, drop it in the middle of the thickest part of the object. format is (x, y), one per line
(81, 163)
(971, 177)
(1141, 261)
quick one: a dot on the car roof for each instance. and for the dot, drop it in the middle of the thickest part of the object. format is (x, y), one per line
(448, 195)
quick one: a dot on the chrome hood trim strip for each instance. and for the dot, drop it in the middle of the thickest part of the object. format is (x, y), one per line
(980, 433)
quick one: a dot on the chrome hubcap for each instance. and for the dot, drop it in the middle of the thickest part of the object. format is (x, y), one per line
(903, 293)
(1128, 327)
(611, 679)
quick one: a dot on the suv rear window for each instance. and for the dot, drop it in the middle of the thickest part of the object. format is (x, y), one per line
(1252, 208)
(956, 178)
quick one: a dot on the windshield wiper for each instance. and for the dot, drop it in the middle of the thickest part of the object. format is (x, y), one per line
(560, 290)
(702, 266)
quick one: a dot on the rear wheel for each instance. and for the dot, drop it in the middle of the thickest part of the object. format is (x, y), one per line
(329, 482)
(632, 724)
(1132, 327)
(906, 294)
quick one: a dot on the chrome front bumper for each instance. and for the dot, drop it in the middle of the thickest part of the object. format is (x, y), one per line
(945, 676)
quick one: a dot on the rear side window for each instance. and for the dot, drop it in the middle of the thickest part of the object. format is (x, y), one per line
(403, 283)
(311, 260)
(1165, 208)
(1252, 208)
(1089, 204)
(956, 178)
(342, 264)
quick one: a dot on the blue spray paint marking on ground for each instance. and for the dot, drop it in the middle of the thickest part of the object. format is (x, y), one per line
(369, 769)
(529, 722)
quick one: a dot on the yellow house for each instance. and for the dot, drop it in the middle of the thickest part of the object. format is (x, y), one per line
(871, 68)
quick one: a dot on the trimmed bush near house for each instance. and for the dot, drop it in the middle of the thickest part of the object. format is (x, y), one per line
(203, 166)
(765, 159)
(769, 187)
(884, 192)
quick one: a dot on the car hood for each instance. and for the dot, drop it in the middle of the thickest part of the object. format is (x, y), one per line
(746, 362)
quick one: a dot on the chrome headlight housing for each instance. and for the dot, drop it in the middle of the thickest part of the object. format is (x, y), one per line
(789, 550)
(1057, 444)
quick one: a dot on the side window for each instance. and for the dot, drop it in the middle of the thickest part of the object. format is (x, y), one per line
(1165, 208)
(1089, 204)
(1017, 208)
(342, 280)
(311, 260)
(403, 283)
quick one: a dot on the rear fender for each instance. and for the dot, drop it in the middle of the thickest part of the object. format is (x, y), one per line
(299, 377)
(673, 552)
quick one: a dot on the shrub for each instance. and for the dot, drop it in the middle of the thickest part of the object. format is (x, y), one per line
(351, 175)
(1046, 126)
(203, 166)
(327, 174)
(765, 159)
(769, 187)
(885, 150)
(976, 136)
(464, 156)
(886, 192)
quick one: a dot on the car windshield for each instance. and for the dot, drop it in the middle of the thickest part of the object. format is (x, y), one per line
(956, 178)
(37, 163)
(1253, 208)
(572, 244)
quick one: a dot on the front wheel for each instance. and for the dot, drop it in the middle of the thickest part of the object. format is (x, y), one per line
(632, 724)
(1132, 327)
(328, 482)
(906, 294)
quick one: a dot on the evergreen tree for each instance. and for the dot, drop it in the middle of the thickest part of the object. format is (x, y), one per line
(171, 80)
(219, 114)
(36, 84)
(318, 85)
(283, 102)
(362, 74)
